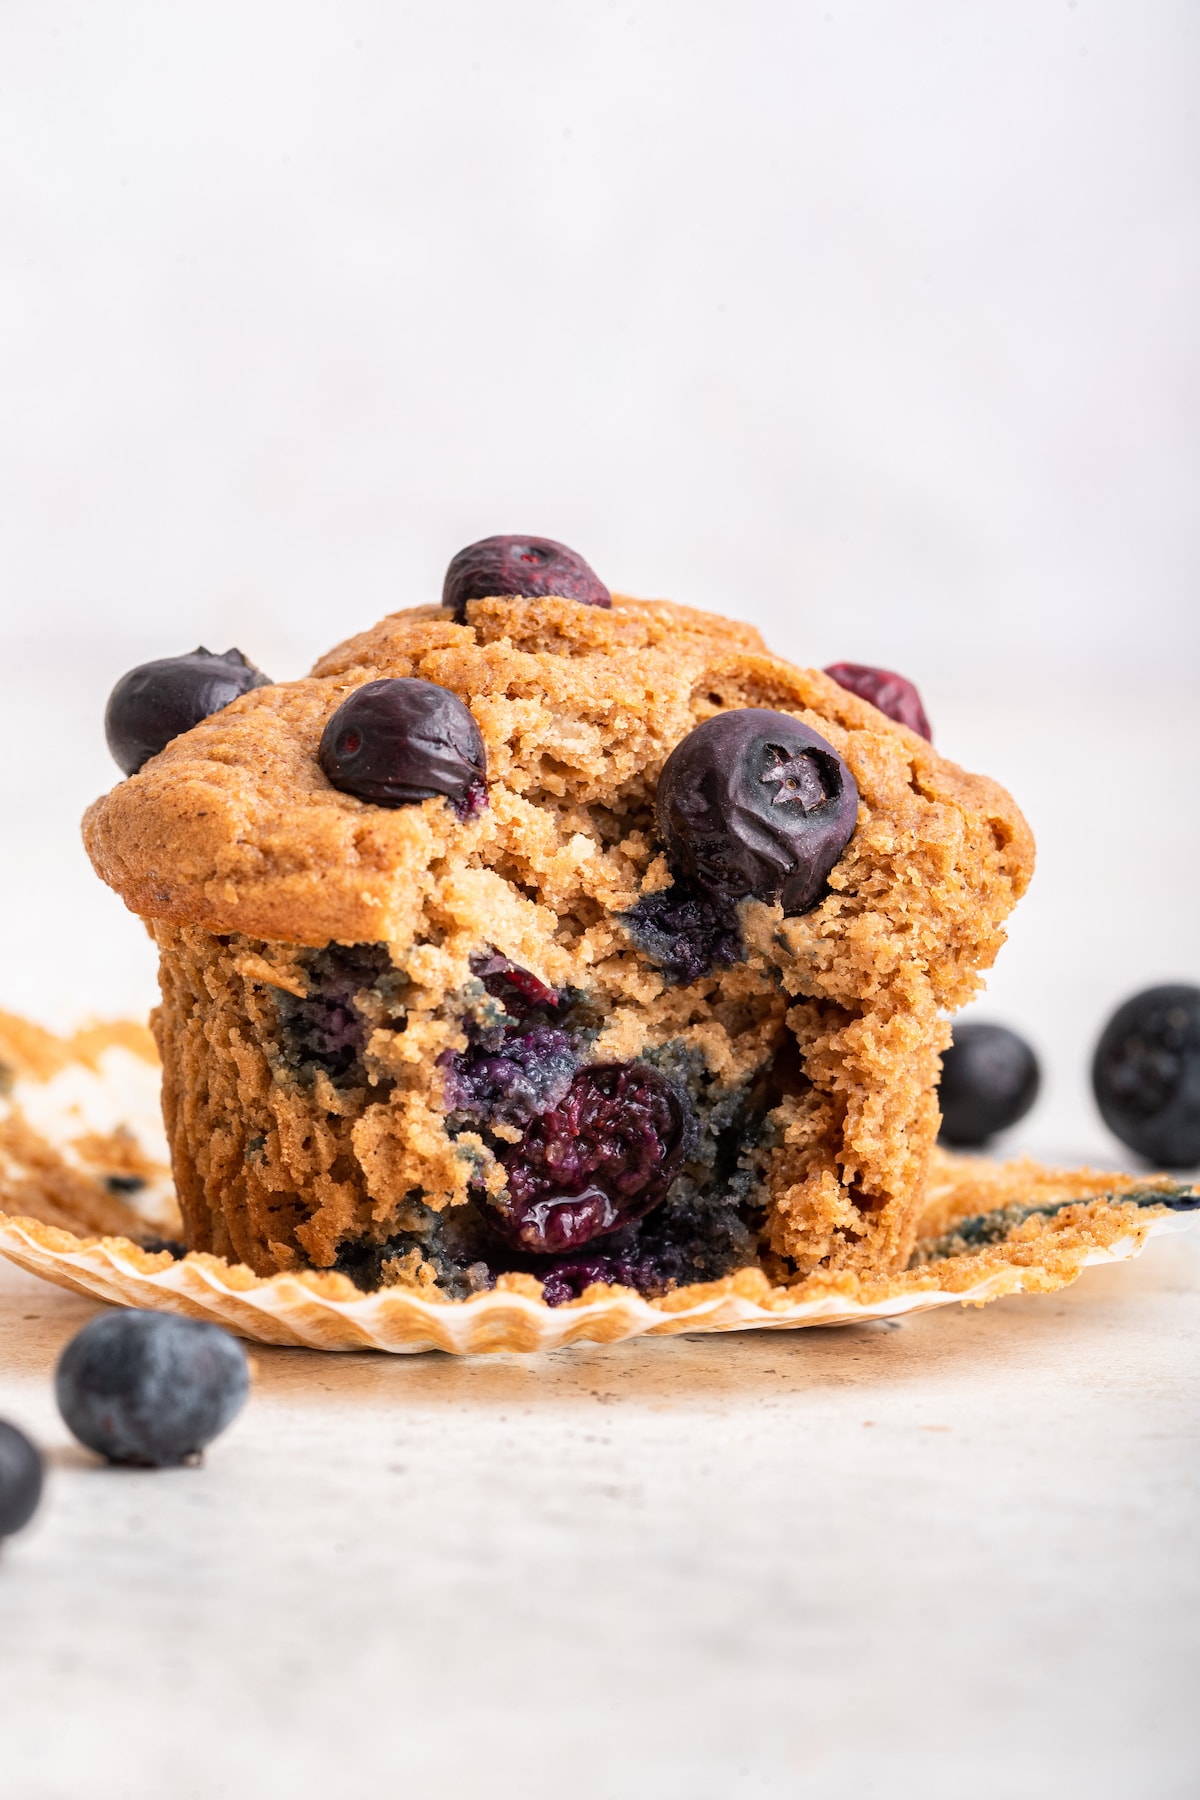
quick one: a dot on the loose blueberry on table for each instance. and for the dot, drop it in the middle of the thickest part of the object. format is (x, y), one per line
(990, 1079)
(149, 1389)
(893, 694)
(1146, 1075)
(20, 1479)
(521, 567)
(159, 701)
(398, 741)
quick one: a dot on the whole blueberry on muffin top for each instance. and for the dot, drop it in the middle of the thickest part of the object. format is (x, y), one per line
(158, 701)
(397, 742)
(753, 802)
(893, 694)
(529, 566)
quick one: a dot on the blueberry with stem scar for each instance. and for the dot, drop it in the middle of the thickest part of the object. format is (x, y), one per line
(752, 802)
(893, 694)
(399, 741)
(150, 1389)
(20, 1479)
(159, 701)
(524, 567)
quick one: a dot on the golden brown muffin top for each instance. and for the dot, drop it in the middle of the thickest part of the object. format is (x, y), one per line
(235, 828)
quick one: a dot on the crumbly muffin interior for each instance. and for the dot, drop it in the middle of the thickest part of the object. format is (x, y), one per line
(369, 1015)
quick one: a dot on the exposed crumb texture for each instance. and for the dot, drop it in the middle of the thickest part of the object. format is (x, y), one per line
(375, 1022)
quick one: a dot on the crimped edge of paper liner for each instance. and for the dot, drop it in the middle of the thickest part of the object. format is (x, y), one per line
(312, 1311)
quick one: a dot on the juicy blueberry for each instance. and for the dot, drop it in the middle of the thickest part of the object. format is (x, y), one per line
(1146, 1075)
(401, 740)
(604, 1156)
(891, 693)
(990, 1079)
(753, 802)
(149, 1388)
(158, 701)
(527, 566)
(20, 1479)
(685, 932)
(687, 1239)
(568, 1278)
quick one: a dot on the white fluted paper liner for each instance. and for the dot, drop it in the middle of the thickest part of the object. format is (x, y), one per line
(73, 1110)
(290, 1309)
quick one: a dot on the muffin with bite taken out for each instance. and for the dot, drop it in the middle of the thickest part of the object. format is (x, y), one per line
(555, 934)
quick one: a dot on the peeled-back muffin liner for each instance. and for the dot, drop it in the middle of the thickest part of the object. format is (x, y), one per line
(88, 1204)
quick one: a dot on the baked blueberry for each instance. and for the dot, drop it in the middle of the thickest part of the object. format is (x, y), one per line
(401, 740)
(684, 932)
(990, 1079)
(518, 990)
(518, 1064)
(567, 1277)
(752, 802)
(525, 566)
(528, 1070)
(161, 700)
(1146, 1075)
(893, 694)
(604, 1156)
(20, 1479)
(149, 1388)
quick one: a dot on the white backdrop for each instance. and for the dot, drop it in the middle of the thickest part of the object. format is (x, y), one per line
(875, 324)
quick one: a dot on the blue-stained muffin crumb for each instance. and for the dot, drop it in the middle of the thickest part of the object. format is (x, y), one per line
(706, 1226)
(327, 1030)
(524, 1045)
(982, 1229)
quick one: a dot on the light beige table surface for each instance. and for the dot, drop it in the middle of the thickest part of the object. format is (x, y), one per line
(955, 1556)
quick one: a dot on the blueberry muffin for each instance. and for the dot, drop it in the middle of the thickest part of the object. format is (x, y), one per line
(550, 935)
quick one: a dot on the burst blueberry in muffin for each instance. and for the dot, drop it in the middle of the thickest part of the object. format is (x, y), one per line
(627, 960)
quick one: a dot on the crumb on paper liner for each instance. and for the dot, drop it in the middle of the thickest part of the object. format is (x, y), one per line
(76, 1194)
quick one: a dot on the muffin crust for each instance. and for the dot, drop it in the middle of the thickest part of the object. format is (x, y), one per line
(811, 1063)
